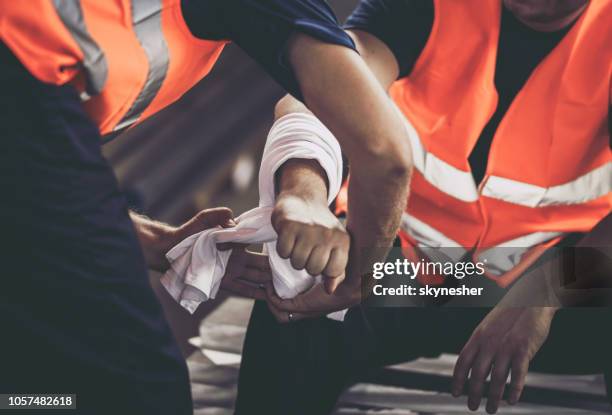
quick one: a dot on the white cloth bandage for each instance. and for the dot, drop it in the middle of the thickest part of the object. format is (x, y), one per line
(197, 266)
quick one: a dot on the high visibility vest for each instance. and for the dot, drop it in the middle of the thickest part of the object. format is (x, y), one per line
(549, 169)
(127, 58)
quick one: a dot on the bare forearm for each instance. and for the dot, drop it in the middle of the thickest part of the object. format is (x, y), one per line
(302, 178)
(373, 220)
(155, 239)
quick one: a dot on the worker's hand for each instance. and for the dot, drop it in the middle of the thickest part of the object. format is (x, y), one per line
(311, 237)
(314, 302)
(157, 238)
(247, 274)
(503, 343)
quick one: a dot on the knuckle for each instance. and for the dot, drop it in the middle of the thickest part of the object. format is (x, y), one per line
(314, 270)
(505, 348)
(334, 269)
(283, 250)
(283, 224)
(321, 231)
(521, 349)
(480, 371)
(344, 238)
(279, 218)
(297, 262)
(488, 349)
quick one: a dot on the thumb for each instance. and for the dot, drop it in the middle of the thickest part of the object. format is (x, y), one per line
(208, 218)
(331, 283)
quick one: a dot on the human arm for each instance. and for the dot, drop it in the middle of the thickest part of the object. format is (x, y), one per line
(512, 333)
(247, 272)
(368, 209)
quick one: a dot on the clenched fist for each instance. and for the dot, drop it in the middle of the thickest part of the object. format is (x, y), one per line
(312, 238)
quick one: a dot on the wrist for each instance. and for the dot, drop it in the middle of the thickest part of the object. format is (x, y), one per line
(304, 179)
(156, 238)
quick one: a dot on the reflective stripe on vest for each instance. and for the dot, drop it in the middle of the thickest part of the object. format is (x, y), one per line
(128, 59)
(590, 186)
(94, 62)
(428, 237)
(146, 18)
(448, 179)
(460, 184)
(504, 257)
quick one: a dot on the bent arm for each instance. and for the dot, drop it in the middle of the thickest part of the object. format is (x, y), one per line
(347, 93)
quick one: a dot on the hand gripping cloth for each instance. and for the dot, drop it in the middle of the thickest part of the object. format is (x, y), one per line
(197, 266)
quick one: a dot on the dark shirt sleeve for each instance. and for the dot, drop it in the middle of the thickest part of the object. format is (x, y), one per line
(403, 25)
(262, 28)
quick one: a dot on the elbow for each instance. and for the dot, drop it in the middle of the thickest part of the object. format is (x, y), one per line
(281, 107)
(392, 160)
(287, 105)
(402, 163)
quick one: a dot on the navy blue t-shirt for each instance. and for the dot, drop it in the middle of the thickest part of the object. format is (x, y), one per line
(262, 28)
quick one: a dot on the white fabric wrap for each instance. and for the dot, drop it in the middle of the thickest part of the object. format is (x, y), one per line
(197, 266)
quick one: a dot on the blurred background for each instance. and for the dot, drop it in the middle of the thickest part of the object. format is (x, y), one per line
(204, 151)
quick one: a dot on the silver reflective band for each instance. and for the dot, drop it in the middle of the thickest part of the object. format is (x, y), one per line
(499, 259)
(444, 177)
(461, 185)
(505, 256)
(431, 240)
(94, 61)
(590, 186)
(146, 20)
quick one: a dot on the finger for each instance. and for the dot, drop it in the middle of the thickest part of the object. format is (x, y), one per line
(301, 252)
(478, 374)
(285, 317)
(332, 283)
(255, 276)
(317, 260)
(336, 265)
(285, 242)
(315, 300)
(237, 261)
(462, 368)
(257, 260)
(210, 218)
(293, 305)
(206, 219)
(499, 374)
(520, 366)
(279, 303)
(243, 289)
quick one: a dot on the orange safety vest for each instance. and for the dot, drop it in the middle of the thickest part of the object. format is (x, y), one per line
(549, 170)
(128, 58)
